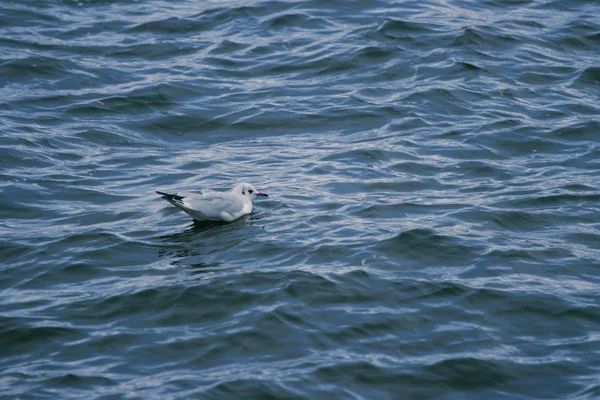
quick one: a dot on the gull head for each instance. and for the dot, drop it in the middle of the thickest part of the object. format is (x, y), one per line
(248, 191)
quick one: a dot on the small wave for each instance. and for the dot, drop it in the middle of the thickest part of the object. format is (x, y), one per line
(589, 76)
(424, 246)
(172, 26)
(365, 156)
(296, 21)
(25, 69)
(462, 373)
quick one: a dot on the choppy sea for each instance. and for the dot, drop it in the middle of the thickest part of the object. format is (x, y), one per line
(433, 225)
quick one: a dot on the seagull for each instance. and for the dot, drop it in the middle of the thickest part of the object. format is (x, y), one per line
(216, 206)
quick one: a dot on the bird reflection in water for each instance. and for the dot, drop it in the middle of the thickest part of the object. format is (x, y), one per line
(200, 246)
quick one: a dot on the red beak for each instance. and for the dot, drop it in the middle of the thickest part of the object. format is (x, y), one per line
(262, 194)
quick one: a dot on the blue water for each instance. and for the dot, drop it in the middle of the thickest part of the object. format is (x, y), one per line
(433, 224)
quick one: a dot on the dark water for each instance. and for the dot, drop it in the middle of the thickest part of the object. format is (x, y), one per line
(433, 223)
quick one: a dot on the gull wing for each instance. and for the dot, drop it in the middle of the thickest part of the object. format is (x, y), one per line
(211, 205)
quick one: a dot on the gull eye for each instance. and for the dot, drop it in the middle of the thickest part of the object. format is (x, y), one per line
(250, 191)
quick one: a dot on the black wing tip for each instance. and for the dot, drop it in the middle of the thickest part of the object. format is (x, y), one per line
(169, 196)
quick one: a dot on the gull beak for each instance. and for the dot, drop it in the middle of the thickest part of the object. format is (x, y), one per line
(262, 194)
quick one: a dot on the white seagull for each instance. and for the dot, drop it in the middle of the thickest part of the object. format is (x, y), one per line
(216, 206)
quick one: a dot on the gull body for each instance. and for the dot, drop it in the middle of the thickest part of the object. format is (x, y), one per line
(216, 206)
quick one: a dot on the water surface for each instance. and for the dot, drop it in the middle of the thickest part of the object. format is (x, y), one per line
(432, 229)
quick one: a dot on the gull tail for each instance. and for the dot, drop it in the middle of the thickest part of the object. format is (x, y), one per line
(172, 198)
